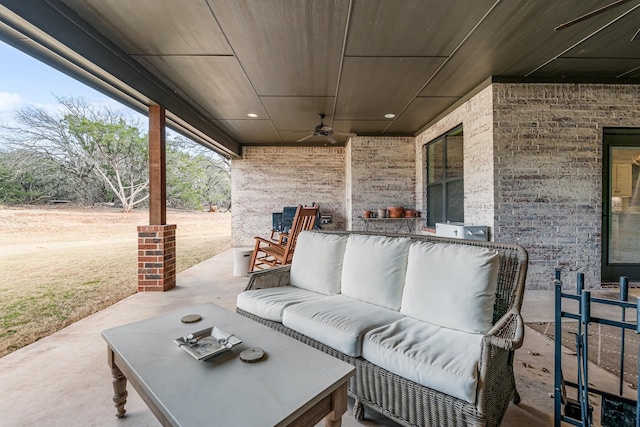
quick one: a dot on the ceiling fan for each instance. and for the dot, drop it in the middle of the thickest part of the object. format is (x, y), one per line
(326, 132)
(595, 12)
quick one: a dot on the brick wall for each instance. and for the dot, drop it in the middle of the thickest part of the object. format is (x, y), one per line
(371, 172)
(532, 171)
(548, 171)
(476, 118)
(268, 178)
(381, 173)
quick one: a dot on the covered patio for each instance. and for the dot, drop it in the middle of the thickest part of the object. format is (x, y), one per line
(347, 104)
(64, 380)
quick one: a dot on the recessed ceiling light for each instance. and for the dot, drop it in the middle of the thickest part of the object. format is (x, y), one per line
(389, 116)
(253, 115)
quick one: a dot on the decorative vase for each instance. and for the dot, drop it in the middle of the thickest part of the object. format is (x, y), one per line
(382, 213)
(366, 214)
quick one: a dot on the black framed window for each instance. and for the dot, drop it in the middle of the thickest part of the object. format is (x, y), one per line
(444, 159)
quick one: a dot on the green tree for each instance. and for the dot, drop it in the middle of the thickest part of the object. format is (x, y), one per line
(183, 176)
(218, 186)
(196, 176)
(29, 177)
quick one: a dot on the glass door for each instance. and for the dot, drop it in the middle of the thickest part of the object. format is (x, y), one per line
(621, 205)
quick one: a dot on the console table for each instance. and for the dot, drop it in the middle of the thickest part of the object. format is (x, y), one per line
(294, 385)
(394, 225)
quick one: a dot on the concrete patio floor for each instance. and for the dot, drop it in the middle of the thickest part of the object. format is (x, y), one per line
(63, 379)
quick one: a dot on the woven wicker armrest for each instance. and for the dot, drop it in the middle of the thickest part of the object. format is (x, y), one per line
(271, 278)
(508, 332)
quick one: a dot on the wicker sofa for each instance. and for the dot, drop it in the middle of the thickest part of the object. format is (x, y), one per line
(430, 324)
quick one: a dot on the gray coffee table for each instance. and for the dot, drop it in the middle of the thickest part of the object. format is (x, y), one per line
(294, 385)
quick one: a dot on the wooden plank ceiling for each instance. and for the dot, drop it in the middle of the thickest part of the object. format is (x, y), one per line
(354, 60)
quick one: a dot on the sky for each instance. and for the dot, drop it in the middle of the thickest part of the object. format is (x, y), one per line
(25, 82)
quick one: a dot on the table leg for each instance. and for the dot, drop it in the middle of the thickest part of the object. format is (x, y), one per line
(119, 382)
(339, 406)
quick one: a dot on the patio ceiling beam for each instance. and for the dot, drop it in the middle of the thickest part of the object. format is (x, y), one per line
(56, 35)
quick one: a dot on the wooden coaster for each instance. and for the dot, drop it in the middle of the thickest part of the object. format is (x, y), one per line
(191, 318)
(252, 355)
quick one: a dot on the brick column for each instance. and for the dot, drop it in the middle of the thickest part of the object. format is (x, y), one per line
(156, 257)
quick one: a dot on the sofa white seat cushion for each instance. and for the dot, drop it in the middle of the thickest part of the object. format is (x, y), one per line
(270, 303)
(337, 321)
(374, 269)
(451, 285)
(317, 262)
(439, 358)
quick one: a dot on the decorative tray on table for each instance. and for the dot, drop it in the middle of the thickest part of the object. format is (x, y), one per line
(207, 343)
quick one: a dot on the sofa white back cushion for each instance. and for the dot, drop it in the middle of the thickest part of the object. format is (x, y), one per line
(451, 285)
(317, 262)
(374, 269)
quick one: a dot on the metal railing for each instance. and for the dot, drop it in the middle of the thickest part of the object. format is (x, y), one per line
(616, 409)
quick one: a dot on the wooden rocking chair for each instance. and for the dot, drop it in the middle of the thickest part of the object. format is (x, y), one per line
(268, 253)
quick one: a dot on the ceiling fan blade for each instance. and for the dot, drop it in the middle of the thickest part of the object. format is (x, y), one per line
(305, 138)
(349, 134)
(330, 139)
(591, 14)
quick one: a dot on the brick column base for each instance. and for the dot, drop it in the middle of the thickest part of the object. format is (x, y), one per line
(156, 257)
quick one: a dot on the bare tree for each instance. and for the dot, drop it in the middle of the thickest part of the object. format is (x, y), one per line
(87, 141)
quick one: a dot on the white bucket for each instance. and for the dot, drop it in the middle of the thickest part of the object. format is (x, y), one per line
(241, 260)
